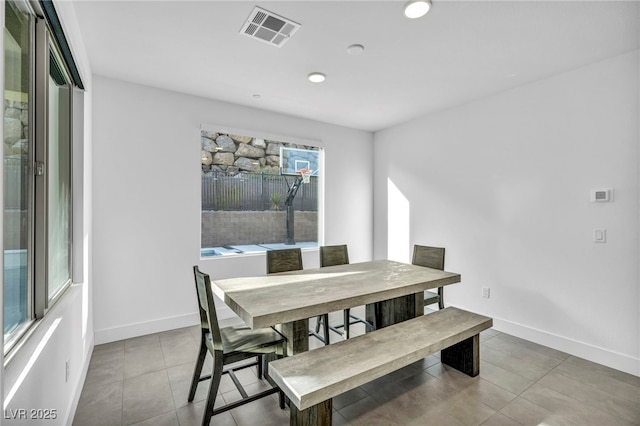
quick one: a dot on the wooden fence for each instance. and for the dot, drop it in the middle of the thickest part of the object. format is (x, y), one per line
(255, 192)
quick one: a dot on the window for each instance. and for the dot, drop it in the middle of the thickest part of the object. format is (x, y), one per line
(58, 177)
(18, 179)
(37, 232)
(254, 197)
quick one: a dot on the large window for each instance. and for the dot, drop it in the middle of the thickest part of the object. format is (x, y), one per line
(18, 176)
(37, 171)
(258, 193)
(58, 177)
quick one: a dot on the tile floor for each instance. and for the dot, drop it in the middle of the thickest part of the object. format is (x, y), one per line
(145, 380)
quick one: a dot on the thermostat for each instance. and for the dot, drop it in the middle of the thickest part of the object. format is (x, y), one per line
(601, 195)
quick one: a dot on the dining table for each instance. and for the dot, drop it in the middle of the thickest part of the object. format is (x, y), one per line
(391, 291)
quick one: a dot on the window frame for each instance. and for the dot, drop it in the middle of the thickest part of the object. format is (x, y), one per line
(284, 138)
(17, 335)
(44, 46)
(53, 295)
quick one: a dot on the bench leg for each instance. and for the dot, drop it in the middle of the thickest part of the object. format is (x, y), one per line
(318, 415)
(464, 356)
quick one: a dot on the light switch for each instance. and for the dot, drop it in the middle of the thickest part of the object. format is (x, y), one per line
(601, 195)
(599, 235)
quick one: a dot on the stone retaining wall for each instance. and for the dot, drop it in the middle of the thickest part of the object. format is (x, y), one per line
(235, 154)
(220, 228)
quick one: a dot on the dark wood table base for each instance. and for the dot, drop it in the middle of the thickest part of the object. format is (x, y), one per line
(388, 312)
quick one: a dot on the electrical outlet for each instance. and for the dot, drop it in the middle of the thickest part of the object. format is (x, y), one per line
(486, 292)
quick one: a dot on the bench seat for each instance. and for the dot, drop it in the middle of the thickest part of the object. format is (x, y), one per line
(314, 377)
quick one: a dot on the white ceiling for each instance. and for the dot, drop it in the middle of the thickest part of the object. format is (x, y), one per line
(460, 51)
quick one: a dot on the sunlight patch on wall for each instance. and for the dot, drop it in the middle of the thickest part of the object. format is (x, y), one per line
(398, 224)
(34, 357)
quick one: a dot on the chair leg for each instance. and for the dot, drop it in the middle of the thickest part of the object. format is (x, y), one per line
(261, 362)
(318, 323)
(198, 369)
(281, 395)
(213, 388)
(347, 322)
(440, 297)
(325, 319)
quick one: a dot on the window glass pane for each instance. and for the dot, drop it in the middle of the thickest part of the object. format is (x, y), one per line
(59, 179)
(18, 181)
(254, 197)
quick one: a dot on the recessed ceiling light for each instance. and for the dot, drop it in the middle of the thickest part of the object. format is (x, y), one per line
(316, 77)
(416, 8)
(355, 49)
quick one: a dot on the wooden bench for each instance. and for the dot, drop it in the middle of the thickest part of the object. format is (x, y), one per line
(310, 379)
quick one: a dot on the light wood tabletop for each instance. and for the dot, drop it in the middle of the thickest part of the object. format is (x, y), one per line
(290, 296)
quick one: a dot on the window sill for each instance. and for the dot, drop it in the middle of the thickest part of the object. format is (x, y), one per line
(28, 329)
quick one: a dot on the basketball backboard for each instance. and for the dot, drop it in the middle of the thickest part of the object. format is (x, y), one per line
(292, 160)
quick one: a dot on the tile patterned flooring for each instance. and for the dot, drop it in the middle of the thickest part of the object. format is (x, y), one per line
(145, 380)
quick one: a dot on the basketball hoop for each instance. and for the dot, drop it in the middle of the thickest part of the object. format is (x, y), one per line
(305, 174)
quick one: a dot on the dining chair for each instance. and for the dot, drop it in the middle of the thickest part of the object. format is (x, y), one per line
(286, 260)
(431, 257)
(331, 256)
(230, 345)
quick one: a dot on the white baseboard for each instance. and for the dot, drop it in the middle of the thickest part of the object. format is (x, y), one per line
(128, 331)
(618, 361)
(603, 356)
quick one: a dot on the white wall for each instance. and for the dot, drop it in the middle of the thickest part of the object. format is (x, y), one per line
(146, 192)
(34, 377)
(504, 184)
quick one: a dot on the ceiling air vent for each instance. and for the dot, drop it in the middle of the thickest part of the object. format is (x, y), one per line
(268, 27)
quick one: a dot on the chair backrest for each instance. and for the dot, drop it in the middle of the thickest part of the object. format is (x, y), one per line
(207, 307)
(284, 260)
(334, 255)
(431, 257)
